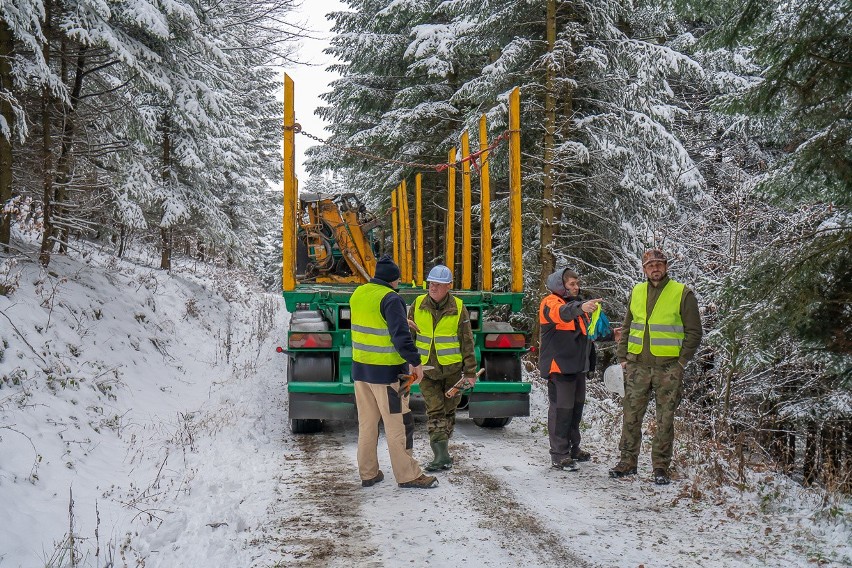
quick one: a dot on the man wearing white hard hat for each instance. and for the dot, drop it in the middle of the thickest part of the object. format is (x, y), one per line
(444, 339)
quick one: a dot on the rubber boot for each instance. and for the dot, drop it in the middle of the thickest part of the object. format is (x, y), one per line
(442, 456)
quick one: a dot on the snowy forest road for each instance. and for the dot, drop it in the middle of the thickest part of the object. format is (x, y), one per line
(260, 496)
(471, 518)
(500, 506)
(322, 524)
(181, 456)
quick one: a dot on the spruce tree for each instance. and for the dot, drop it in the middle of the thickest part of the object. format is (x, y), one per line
(800, 285)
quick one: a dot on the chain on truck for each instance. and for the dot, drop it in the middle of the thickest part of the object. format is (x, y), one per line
(329, 248)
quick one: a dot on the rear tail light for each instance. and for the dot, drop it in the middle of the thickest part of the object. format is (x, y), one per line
(310, 340)
(505, 340)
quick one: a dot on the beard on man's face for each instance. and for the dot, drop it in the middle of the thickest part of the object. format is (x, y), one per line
(656, 275)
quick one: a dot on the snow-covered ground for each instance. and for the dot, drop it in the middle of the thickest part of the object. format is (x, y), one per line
(143, 421)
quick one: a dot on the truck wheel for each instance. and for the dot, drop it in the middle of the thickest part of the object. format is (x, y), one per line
(305, 426)
(502, 367)
(316, 368)
(492, 422)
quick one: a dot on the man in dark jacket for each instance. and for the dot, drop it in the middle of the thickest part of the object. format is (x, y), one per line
(664, 327)
(564, 358)
(382, 351)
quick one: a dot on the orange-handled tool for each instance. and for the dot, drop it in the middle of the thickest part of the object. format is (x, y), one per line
(408, 380)
(462, 384)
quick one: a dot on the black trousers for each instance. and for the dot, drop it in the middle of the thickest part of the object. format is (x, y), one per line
(567, 397)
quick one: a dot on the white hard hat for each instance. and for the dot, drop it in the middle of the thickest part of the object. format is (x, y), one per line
(614, 379)
(440, 274)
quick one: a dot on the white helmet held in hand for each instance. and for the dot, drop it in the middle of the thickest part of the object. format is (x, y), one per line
(440, 274)
(614, 379)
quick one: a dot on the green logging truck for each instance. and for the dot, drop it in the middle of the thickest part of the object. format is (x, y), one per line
(329, 248)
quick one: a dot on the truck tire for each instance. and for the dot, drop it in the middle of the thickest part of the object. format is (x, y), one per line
(305, 426)
(311, 367)
(492, 422)
(502, 367)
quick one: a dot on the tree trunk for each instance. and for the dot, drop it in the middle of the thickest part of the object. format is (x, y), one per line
(166, 232)
(731, 331)
(831, 454)
(847, 461)
(789, 456)
(47, 181)
(547, 232)
(810, 468)
(63, 168)
(548, 209)
(122, 240)
(437, 248)
(166, 256)
(7, 45)
(55, 189)
(47, 150)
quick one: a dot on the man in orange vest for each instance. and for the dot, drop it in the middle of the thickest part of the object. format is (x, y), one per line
(661, 333)
(564, 358)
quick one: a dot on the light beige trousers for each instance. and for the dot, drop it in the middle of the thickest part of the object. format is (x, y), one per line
(383, 402)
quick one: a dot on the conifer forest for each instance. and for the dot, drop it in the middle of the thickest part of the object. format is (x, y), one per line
(718, 131)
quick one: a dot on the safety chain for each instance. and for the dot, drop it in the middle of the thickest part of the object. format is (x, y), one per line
(297, 128)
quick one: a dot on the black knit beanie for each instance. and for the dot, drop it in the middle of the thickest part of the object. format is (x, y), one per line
(387, 270)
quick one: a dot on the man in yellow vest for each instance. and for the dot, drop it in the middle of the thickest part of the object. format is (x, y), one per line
(383, 351)
(444, 340)
(664, 328)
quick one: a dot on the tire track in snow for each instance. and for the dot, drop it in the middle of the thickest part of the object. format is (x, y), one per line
(502, 513)
(327, 529)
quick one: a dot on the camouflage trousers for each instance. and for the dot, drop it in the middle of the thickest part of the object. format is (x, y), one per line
(667, 384)
(440, 410)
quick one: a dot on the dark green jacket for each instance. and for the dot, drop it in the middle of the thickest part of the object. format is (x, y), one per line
(691, 328)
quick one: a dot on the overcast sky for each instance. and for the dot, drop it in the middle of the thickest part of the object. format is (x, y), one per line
(310, 81)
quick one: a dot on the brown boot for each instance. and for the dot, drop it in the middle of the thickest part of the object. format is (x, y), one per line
(661, 476)
(373, 480)
(565, 464)
(581, 455)
(621, 469)
(422, 482)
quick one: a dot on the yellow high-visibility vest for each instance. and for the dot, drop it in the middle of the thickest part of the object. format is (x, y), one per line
(665, 326)
(445, 335)
(371, 340)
